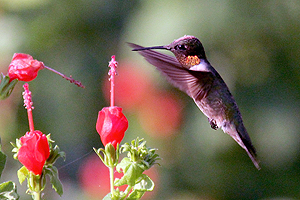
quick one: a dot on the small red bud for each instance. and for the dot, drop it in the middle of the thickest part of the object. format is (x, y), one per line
(111, 125)
(24, 68)
(34, 151)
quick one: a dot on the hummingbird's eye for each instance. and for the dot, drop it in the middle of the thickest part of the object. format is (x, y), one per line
(182, 47)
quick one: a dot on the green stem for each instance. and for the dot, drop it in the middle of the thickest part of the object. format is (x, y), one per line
(35, 186)
(36, 195)
(111, 175)
(128, 189)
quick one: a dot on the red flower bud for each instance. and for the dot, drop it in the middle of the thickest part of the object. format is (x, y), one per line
(24, 68)
(111, 125)
(34, 151)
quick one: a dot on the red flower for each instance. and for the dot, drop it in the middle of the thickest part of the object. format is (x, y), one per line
(111, 125)
(34, 151)
(23, 67)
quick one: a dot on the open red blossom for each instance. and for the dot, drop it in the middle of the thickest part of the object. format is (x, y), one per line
(34, 151)
(111, 125)
(24, 68)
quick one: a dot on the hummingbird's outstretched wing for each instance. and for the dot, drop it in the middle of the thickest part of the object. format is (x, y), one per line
(195, 83)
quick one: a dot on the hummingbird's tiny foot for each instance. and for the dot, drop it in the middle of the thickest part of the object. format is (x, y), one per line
(213, 124)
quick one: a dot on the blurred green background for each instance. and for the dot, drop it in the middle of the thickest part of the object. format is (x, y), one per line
(255, 46)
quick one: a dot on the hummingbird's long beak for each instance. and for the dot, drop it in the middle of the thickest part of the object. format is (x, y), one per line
(148, 48)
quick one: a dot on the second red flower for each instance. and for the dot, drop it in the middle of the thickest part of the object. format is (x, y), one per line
(111, 125)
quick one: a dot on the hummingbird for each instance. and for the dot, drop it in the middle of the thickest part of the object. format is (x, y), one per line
(191, 72)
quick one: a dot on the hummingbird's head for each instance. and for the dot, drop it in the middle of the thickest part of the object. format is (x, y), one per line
(188, 50)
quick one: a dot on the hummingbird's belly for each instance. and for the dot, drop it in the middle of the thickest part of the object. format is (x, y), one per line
(214, 109)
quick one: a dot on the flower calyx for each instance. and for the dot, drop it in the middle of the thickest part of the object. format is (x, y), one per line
(109, 155)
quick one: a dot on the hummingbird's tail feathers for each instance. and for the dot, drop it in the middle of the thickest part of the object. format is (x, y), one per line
(245, 143)
(254, 159)
(242, 132)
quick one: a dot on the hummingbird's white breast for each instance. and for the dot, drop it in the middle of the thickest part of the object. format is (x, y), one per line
(203, 66)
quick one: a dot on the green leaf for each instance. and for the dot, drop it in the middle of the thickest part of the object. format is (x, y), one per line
(132, 171)
(123, 165)
(22, 174)
(55, 153)
(2, 161)
(98, 152)
(16, 148)
(8, 191)
(135, 194)
(139, 153)
(53, 174)
(6, 87)
(145, 184)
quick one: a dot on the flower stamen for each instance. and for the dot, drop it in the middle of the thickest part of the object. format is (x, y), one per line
(28, 105)
(112, 72)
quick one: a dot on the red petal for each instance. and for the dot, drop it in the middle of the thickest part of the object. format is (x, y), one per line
(21, 56)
